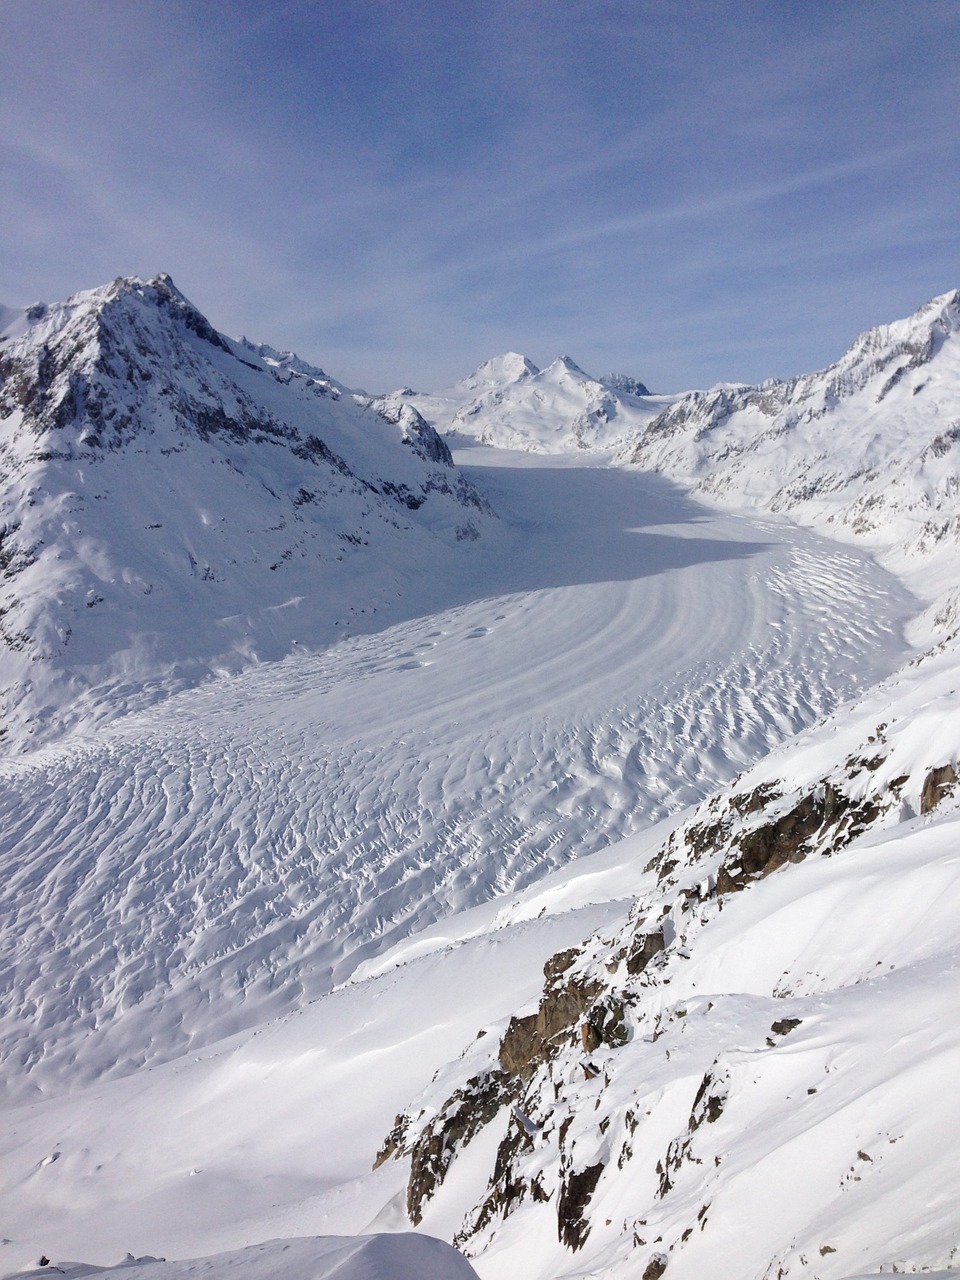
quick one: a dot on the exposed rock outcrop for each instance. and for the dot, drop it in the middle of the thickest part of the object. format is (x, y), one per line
(601, 998)
(938, 783)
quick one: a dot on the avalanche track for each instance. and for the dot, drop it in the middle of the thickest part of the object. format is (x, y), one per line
(196, 869)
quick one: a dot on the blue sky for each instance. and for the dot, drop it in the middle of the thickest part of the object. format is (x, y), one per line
(686, 192)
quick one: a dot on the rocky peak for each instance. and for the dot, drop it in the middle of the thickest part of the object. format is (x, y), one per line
(626, 385)
(89, 371)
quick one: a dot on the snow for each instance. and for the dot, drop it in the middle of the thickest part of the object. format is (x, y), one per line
(834, 1152)
(282, 865)
(266, 1134)
(863, 451)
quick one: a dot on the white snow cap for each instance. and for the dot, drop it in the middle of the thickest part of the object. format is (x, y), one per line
(500, 371)
(564, 364)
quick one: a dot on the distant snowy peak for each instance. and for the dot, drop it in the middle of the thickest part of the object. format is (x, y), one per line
(565, 365)
(174, 502)
(510, 403)
(501, 371)
(868, 447)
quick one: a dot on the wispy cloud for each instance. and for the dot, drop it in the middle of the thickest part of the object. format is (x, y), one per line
(399, 194)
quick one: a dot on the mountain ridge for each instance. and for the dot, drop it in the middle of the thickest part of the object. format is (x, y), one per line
(509, 402)
(707, 438)
(273, 476)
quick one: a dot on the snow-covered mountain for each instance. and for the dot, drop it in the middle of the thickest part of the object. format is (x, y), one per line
(866, 449)
(173, 503)
(603, 898)
(510, 403)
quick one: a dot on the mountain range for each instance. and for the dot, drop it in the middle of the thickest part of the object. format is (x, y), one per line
(510, 403)
(174, 504)
(546, 848)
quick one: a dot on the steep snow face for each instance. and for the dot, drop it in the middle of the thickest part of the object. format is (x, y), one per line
(510, 403)
(868, 448)
(174, 504)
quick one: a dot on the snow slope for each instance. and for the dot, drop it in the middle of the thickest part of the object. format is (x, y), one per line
(751, 1078)
(510, 403)
(174, 504)
(270, 1134)
(374, 1257)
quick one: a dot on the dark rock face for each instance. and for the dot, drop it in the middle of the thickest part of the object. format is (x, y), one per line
(575, 1192)
(607, 1023)
(709, 1102)
(793, 836)
(559, 963)
(528, 1043)
(642, 950)
(462, 1117)
(591, 1037)
(937, 784)
(655, 1267)
(533, 1039)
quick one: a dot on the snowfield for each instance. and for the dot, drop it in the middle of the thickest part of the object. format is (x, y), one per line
(598, 870)
(194, 869)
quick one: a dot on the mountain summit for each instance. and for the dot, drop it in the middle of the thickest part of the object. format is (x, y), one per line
(499, 372)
